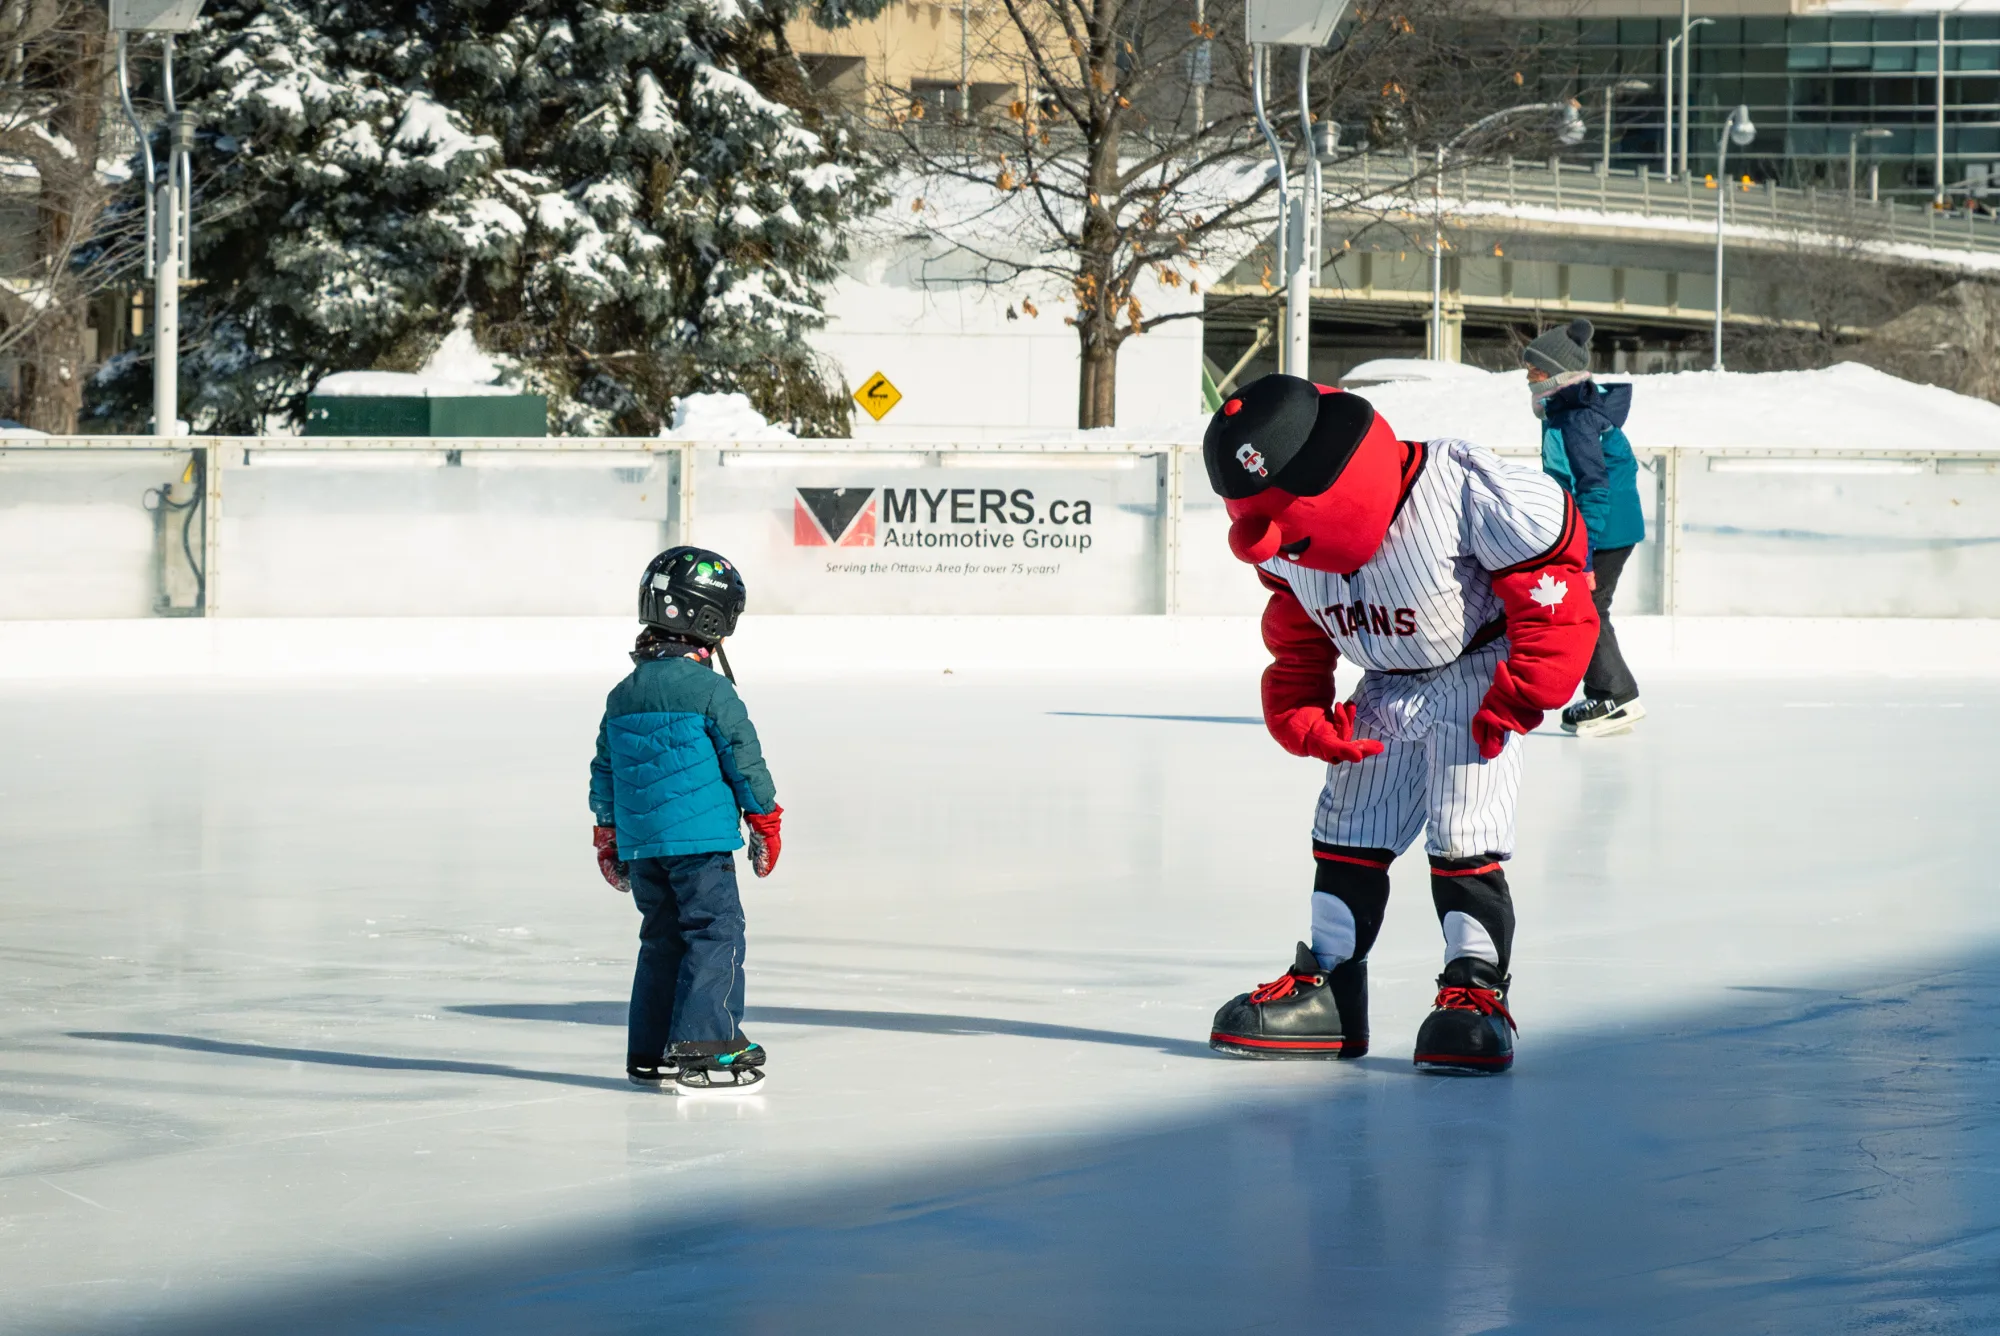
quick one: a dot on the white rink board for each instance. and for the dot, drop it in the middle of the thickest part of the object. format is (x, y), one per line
(372, 528)
(930, 532)
(75, 537)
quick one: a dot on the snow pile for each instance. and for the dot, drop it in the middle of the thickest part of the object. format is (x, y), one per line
(459, 358)
(1384, 370)
(721, 417)
(12, 429)
(402, 385)
(1844, 407)
(459, 369)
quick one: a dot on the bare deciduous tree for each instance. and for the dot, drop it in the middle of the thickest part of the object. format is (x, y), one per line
(55, 93)
(1130, 160)
(1833, 285)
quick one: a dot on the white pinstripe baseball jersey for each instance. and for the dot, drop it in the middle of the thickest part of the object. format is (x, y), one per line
(1426, 593)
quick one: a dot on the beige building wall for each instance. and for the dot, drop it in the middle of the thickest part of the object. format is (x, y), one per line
(920, 48)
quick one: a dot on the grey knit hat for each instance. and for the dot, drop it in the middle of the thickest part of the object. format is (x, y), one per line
(1558, 350)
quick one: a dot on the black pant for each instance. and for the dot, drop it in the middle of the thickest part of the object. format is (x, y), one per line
(689, 982)
(1608, 678)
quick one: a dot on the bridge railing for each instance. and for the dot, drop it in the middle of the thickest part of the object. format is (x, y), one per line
(124, 527)
(1402, 182)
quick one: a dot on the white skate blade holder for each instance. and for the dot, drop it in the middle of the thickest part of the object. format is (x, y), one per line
(744, 1084)
(1620, 720)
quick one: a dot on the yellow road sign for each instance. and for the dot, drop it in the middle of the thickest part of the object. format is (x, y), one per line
(878, 396)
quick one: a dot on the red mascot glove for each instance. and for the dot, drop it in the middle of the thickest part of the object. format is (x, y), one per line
(1327, 735)
(765, 839)
(615, 872)
(1502, 712)
(1298, 688)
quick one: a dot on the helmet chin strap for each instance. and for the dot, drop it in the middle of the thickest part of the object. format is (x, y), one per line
(723, 659)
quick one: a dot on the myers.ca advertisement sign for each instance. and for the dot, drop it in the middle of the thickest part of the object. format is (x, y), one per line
(974, 533)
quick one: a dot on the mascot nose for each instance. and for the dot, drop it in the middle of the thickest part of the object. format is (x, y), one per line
(1254, 539)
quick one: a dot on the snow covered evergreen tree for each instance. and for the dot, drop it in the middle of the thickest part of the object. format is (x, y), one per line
(635, 201)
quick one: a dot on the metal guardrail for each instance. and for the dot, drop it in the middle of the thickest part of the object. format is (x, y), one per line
(1401, 182)
(1731, 530)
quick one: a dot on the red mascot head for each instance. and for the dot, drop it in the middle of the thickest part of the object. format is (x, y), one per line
(1306, 473)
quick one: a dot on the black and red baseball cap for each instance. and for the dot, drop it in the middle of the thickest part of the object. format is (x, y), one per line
(1283, 431)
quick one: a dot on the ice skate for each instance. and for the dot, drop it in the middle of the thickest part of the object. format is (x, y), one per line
(722, 1066)
(1309, 1012)
(1590, 718)
(650, 1075)
(1469, 1033)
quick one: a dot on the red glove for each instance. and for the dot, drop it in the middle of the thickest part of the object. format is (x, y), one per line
(765, 839)
(615, 872)
(1298, 688)
(1502, 712)
(1325, 734)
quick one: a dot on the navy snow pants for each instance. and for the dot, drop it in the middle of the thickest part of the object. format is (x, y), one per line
(688, 985)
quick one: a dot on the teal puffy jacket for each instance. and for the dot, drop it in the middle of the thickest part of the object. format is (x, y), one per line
(677, 759)
(1584, 448)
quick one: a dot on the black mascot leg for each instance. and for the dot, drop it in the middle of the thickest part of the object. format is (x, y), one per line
(1475, 889)
(1356, 882)
(1469, 1030)
(1318, 1009)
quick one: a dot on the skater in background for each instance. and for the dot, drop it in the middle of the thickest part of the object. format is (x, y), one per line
(1584, 448)
(677, 761)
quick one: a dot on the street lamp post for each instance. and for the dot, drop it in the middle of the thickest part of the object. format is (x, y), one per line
(1852, 137)
(1304, 24)
(1739, 131)
(1667, 139)
(168, 194)
(1569, 130)
(1436, 349)
(1937, 132)
(1610, 91)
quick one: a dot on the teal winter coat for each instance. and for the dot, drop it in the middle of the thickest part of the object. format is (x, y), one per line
(1584, 448)
(677, 760)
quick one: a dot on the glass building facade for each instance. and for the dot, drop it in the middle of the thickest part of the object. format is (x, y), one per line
(1812, 83)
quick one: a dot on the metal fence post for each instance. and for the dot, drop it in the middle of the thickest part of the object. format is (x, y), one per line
(1670, 530)
(685, 501)
(1172, 470)
(211, 528)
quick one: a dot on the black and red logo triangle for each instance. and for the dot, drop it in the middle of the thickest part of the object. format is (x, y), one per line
(834, 517)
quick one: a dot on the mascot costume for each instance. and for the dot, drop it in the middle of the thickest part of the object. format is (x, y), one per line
(1459, 584)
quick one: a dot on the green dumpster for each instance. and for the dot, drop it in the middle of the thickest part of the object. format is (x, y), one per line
(429, 410)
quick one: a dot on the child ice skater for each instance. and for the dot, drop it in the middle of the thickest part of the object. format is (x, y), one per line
(677, 761)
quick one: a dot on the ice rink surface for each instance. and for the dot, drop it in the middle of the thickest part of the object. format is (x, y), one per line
(313, 1009)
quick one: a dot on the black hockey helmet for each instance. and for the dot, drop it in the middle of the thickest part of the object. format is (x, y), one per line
(693, 593)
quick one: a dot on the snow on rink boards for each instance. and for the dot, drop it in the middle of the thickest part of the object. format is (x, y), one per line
(314, 1009)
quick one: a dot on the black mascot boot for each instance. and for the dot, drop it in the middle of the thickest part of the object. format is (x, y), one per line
(1307, 1013)
(1469, 1033)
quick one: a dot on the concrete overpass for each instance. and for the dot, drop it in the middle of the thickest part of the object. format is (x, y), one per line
(1527, 244)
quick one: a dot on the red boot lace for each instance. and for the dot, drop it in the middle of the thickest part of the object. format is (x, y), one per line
(1482, 1000)
(1284, 987)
